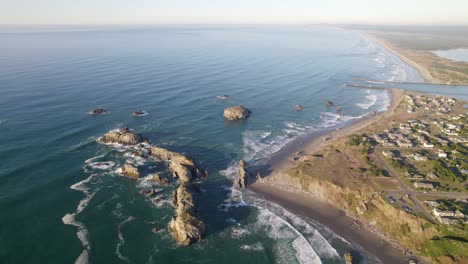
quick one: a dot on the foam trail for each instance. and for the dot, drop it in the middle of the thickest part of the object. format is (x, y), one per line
(70, 219)
(372, 100)
(122, 240)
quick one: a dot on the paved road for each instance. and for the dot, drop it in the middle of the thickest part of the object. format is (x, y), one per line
(404, 189)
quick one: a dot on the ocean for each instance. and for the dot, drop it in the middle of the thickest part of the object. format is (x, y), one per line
(59, 206)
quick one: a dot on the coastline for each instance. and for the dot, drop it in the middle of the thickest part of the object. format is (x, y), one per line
(324, 213)
(424, 72)
(308, 144)
(337, 220)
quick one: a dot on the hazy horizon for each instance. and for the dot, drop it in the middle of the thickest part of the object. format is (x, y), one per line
(182, 12)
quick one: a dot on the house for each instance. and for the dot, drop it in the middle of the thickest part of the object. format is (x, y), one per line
(428, 145)
(404, 143)
(431, 175)
(387, 154)
(423, 185)
(442, 154)
(432, 203)
(419, 157)
(441, 213)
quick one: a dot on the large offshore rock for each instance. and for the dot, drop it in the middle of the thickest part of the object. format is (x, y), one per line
(236, 113)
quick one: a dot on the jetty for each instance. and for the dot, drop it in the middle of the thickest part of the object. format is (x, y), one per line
(405, 82)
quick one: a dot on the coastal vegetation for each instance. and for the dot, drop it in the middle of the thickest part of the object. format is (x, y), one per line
(342, 173)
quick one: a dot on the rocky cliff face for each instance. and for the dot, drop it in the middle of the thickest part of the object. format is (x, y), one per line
(123, 136)
(236, 113)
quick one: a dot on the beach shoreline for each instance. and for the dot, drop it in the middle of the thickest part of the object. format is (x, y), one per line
(423, 71)
(324, 213)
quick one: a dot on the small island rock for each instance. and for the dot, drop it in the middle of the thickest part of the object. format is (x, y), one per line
(236, 113)
(123, 136)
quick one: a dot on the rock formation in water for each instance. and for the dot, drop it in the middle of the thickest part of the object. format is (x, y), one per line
(123, 136)
(329, 103)
(181, 166)
(299, 108)
(339, 109)
(130, 171)
(243, 177)
(185, 227)
(236, 113)
(98, 111)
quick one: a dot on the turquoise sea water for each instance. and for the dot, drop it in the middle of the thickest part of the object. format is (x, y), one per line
(57, 207)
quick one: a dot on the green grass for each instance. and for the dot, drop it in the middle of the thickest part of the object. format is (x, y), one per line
(446, 246)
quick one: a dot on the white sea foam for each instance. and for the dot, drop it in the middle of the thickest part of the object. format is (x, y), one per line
(122, 240)
(280, 230)
(372, 99)
(70, 219)
(254, 247)
(103, 165)
(284, 224)
(238, 232)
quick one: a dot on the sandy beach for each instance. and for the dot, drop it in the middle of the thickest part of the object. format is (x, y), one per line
(424, 72)
(311, 143)
(337, 220)
(322, 212)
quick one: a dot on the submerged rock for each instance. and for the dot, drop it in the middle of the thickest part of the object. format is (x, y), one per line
(130, 171)
(339, 108)
(243, 177)
(123, 136)
(299, 108)
(236, 113)
(329, 103)
(139, 113)
(98, 111)
(223, 97)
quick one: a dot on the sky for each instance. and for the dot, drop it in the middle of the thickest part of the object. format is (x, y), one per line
(59, 12)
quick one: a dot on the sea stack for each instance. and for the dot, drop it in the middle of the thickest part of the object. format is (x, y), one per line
(236, 112)
(243, 177)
